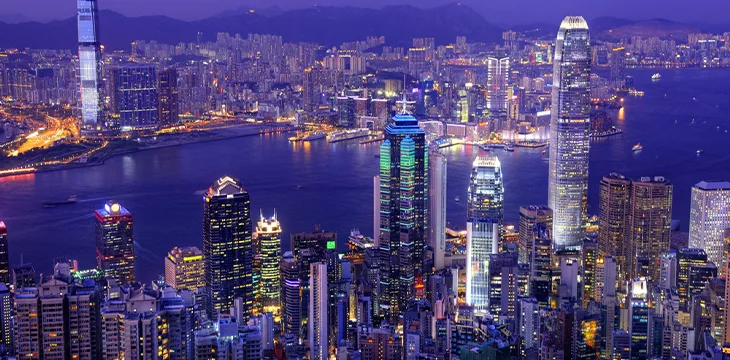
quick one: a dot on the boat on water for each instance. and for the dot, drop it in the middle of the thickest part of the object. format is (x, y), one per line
(348, 135)
(656, 76)
(315, 136)
(457, 199)
(71, 200)
(638, 147)
(700, 151)
(509, 148)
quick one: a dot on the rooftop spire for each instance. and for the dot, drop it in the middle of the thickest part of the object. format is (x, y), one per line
(404, 111)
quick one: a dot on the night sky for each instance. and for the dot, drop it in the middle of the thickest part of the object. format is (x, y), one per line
(501, 12)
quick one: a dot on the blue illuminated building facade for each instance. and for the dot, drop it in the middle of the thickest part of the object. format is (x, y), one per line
(91, 106)
(135, 96)
(403, 206)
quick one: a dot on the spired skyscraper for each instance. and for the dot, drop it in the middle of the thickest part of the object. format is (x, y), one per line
(485, 214)
(90, 61)
(228, 248)
(569, 132)
(403, 207)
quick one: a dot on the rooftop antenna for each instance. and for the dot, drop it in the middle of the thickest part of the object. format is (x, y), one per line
(405, 109)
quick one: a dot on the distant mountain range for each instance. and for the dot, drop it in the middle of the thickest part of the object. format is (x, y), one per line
(325, 25)
(329, 26)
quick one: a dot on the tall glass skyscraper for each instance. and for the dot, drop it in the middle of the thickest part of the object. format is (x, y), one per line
(227, 247)
(569, 132)
(115, 242)
(268, 233)
(91, 104)
(403, 206)
(135, 96)
(485, 214)
(709, 217)
(4, 256)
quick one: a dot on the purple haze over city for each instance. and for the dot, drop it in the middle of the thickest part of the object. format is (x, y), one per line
(498, 12)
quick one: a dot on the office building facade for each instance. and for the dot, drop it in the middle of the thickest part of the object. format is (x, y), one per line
(569, 133)
(90, 66)
(184, 268)
(115, 242)
(709, 219)
(227, 247)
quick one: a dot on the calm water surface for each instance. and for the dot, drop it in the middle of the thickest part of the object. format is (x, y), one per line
(163, 188)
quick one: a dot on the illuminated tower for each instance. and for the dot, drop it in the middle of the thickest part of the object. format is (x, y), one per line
(290, 302)
(485, 213)
(227, 247)
(650, 222)
(497, 82)
(403, 208)
(614, 210)
(90, 62)
(4, 256)
(184, 268)
(709, 218)
(268, 233)
(318, 294)
(115, 242)
(569, 130)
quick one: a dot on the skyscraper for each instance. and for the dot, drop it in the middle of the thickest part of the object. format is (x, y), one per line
(318, 294)
(167, 106)
(403, 208)
(529, 217)
(485, 213)
(614, 210)
(135, 96)
(639, 319)
(709, 218)
(290, 303)
(90, 62)
(4, 256)
(184, 268)
(497, 82)
(115, 242)
(268, 233)
(437, 208)
(650, 221)
(227, 247)
(569, 132)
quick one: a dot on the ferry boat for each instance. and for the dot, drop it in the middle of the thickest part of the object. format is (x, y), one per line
(457, 199)
(638, 147)
(700, 151)
(348, 135)
(315, 136)
(656, 76)
(509, 148)
(71, 200)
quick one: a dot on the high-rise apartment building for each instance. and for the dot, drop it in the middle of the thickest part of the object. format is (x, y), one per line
(569, 133)
(115, 242)
(709, 219)
(650, 222)
(268, 235)
(318, 324)
(227, 247)
(485, 214)
(184, 268)
(614, 212)
(90, 63)
(403, 209)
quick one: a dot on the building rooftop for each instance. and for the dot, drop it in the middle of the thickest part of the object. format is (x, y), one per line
(112, 208)
(226, 186)
(704, 185)
(574, 22)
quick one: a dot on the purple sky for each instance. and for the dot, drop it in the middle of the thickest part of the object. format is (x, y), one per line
(496, 11)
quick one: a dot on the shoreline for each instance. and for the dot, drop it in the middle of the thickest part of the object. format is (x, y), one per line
(213, 137)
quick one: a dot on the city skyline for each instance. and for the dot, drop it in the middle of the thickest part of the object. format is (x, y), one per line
(502, 14)
(481, 121)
